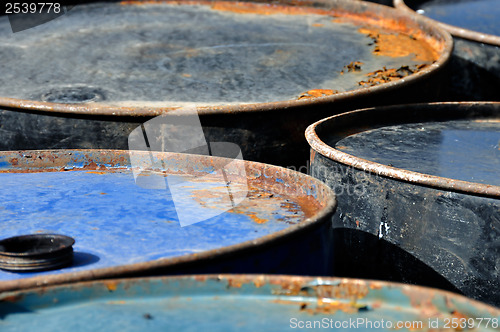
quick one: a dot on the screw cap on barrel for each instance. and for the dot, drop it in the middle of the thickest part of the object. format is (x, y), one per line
(36, 252)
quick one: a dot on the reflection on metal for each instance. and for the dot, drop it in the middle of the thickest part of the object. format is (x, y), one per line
(418, 190)
(242, 303)
(474, 69)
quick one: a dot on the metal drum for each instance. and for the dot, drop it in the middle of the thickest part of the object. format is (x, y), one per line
(192, 214)
(256, 73)
(475, 65)
(241, 303)
(419, 194)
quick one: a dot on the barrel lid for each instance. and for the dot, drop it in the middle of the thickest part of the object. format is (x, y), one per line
(135, 57)
(122, 226)
(241, 303)
(471, 19)
(454, 146)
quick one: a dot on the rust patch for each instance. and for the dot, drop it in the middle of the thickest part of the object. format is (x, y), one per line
(265, 9)
(316, 93)
(353, 66)
(234, 283)
(259, 281)
(317, 25)
(111, 286)
(388, 75)
(400, 45)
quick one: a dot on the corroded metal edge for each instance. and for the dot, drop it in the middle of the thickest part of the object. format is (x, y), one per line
(258, 173)
(454, 30)
(347, 289)
(317, 145)
(357, 11)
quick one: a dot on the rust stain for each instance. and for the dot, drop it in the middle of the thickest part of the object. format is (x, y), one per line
(316, 93)
(96, 172)
(265, 9)
(234, 283)
(400, 45)
(353, 66)
(111, 286)
(259, 281)
(388, 75)
(318, 25)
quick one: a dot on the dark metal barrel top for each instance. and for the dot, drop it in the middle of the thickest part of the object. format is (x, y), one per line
(143, 58)
(242, 303)
(470, 19)
(454, 146)
(121, 227)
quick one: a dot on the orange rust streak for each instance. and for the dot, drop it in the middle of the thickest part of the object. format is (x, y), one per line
(399, 45)
(111, 286)
(315, 93)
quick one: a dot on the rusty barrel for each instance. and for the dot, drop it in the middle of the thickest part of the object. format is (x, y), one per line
(474, 66)
(256, 73)
(160, 213)
(242, 303)
(418, 193)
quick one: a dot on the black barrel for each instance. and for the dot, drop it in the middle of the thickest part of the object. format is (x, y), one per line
(256, 73)
(419, 194)
(475, 65)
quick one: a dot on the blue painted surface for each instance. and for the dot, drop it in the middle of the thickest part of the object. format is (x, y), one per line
(185, 304)
(465, 150)
(116, 222)
(477, 15)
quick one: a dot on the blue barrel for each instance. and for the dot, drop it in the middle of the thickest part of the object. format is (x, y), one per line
(241, 303)
(419, 194)
(211, 215)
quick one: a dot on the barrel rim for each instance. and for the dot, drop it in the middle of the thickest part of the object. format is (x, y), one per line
(257, 280)
(423, 179)
(320, 217)
(454, 30)
(431, 31)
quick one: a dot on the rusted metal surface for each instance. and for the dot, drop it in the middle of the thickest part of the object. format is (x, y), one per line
(36, 252)
(242, 83)
(474, 69)
(415, 209)
(121, 228)
(246, 303)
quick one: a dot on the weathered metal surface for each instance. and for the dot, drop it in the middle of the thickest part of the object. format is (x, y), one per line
(474, 66)
(36, 252)
(151, 57)
(418, 191)
(122, 229)
(242, 303)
